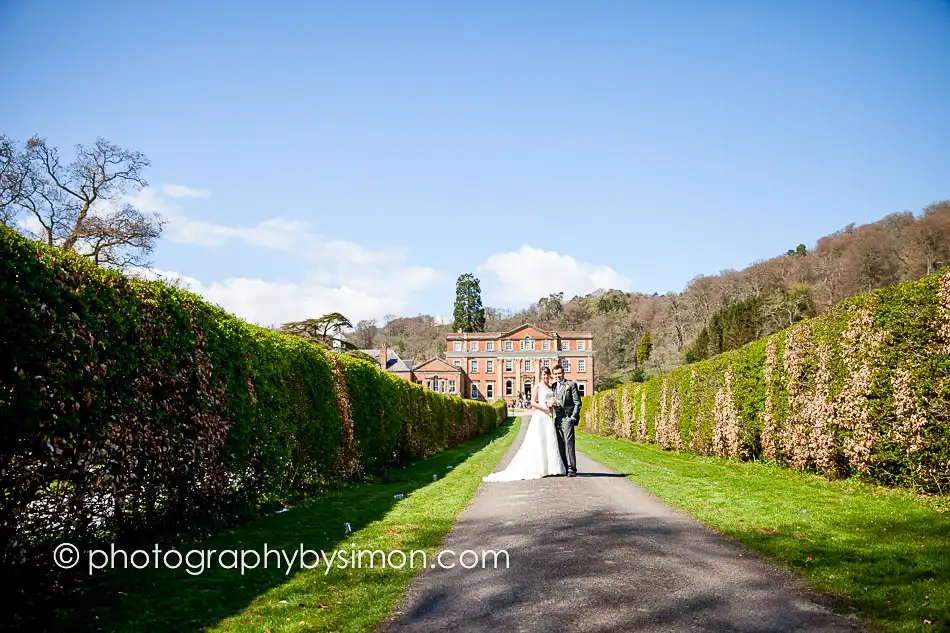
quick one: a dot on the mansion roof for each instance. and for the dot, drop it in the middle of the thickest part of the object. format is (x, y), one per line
(393, 361)
(436, 364)
(467, 336)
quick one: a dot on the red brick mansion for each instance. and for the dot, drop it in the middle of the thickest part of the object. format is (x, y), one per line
(497, 365)
(493, 365)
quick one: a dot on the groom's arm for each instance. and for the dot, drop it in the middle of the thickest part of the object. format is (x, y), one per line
(576, 397)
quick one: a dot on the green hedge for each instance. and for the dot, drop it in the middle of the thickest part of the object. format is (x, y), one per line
(131, 410)
(864, 389)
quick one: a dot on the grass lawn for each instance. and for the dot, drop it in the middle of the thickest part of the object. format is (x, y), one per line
(352, 599)
(886, 551)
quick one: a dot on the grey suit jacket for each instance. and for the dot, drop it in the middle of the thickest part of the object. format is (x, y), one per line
(569, 404)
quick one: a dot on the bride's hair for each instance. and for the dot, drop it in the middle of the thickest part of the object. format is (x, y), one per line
(545, 371)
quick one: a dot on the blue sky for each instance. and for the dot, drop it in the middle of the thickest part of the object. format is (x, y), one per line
(318, 156)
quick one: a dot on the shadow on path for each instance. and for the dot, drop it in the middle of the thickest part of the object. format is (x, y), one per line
(596, 554)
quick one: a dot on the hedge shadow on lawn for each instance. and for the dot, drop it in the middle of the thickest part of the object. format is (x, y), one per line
(166, 601)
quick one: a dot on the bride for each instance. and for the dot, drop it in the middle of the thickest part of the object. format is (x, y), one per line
(538, 455)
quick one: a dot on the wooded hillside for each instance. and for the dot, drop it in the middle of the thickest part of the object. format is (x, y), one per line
(714, 313)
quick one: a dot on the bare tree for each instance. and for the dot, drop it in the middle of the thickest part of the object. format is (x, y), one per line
(365, 335)
(929, 239)
(496, 319)
(11, 181)
(702, 297)
(676, 320)
(787, 308)
(551, 308)
(80, 207)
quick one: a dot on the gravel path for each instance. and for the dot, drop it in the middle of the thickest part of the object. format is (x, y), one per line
(596, 553)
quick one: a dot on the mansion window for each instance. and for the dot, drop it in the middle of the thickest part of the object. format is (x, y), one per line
(546, 346)
(490, 390)
(580, 389)
(565, 346)
(458, 346)
(474, 393)
(546, 363)
(456, 363)
(527, 343)
(507, 364)
(490, 346)
(566, 364)
(509, 387)
(451, 386)
(527, 364)
(473, 346)
(509, 346)
(581, 365)
(474, 367)
(580, 345)
(490, 366)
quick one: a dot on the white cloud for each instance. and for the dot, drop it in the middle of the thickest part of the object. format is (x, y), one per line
(274, 302)
(521, 277)
(339, 276)
(152, 200)
(275, 233)
(181, 191)
(32, 226)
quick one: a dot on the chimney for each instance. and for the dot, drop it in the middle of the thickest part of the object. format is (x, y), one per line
(383, 356)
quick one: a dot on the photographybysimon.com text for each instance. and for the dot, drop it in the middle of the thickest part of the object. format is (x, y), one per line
(197, 561)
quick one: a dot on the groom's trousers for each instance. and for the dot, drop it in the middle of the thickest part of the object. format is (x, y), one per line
(564, 429)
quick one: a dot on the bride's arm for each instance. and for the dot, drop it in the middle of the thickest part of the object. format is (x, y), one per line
(535, 404)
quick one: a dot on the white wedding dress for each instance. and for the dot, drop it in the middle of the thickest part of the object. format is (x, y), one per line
(538, 456)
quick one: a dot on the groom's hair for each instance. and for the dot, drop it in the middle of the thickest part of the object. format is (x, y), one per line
(558, 368)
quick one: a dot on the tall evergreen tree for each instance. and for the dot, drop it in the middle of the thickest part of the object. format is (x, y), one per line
(644, 349)
(469, 313)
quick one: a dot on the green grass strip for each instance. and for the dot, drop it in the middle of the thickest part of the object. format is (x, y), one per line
(887, 552)
(341, 600)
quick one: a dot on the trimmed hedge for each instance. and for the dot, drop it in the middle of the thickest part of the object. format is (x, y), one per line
(132, 410)
(864, 389)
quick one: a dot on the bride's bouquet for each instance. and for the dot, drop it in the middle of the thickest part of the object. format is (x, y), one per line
(549, 399)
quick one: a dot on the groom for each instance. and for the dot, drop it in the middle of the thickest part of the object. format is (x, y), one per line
(567, 412)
